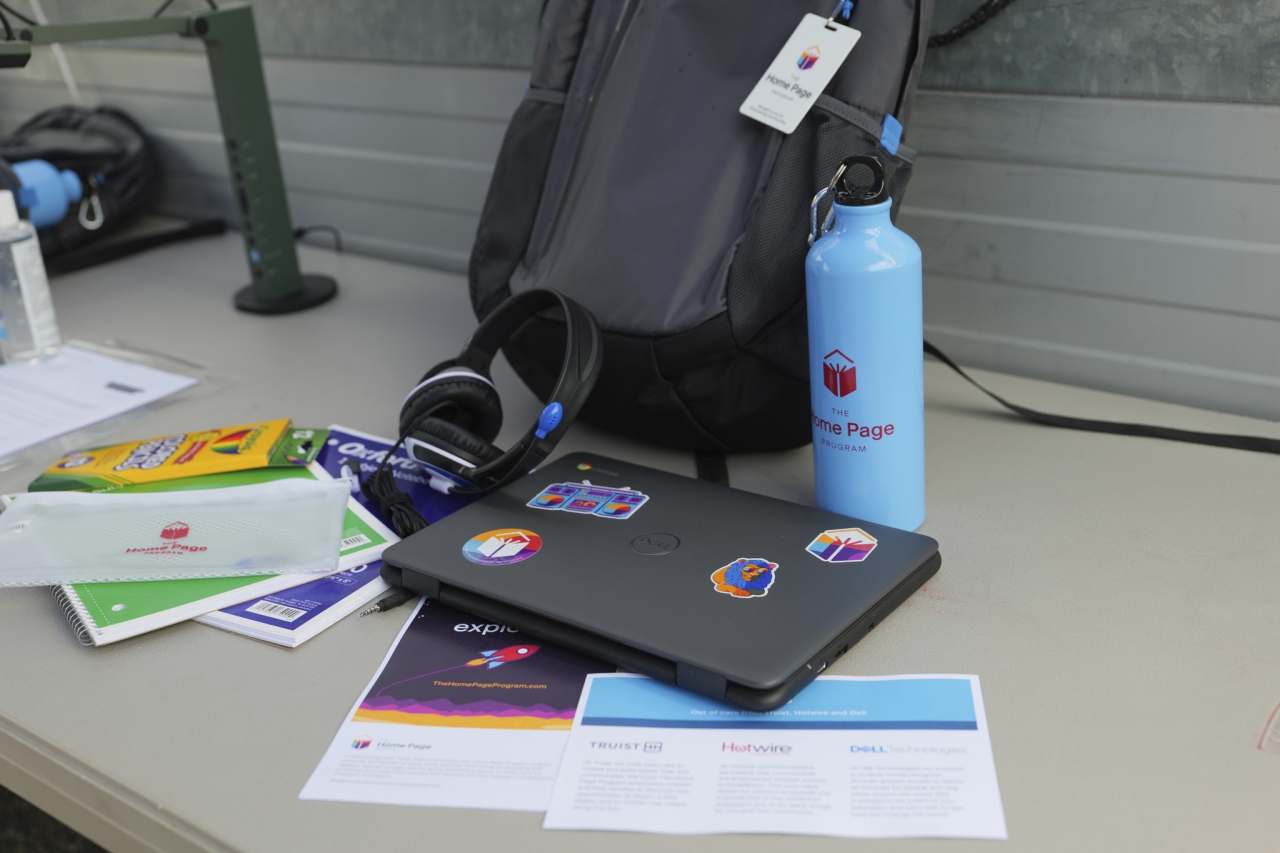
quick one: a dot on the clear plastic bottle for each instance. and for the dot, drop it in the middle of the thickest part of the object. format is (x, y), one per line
(30, 327)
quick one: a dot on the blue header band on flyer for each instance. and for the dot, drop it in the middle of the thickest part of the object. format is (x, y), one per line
(909, 703)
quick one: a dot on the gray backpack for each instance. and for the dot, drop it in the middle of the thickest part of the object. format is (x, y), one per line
(628, 181)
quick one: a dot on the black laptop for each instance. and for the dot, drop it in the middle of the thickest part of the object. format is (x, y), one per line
(730, 594)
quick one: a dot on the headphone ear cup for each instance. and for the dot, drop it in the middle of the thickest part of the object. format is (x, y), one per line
(455, 440)
(465, 401)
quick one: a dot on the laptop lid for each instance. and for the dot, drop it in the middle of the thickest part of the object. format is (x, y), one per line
(729, 586)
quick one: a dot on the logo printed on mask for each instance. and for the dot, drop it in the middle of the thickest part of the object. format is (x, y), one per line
(170, 534)
(177, 530)
(838, 373)
(809, 58)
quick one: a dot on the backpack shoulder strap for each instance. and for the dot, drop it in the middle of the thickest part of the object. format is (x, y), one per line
(1256, 443)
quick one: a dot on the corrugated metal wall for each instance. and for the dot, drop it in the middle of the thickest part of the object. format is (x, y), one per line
(1121, 243)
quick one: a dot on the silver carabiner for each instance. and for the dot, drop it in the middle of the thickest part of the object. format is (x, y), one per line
(814, 231)
(96, 222)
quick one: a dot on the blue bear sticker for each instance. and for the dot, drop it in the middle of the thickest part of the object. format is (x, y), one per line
(745, 577)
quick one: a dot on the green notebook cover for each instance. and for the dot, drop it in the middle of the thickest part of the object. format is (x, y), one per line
(106, 612)
(117, 603)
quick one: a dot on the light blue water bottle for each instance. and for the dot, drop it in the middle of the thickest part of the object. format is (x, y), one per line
(866, 358)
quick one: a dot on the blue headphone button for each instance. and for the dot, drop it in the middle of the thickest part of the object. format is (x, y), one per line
(549, 419)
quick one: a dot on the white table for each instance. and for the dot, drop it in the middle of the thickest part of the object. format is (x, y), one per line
(1119, 598)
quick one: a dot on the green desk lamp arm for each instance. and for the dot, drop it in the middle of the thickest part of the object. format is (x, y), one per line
(240, 89)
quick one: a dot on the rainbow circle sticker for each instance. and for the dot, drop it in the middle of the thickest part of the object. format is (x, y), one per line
(500, 547)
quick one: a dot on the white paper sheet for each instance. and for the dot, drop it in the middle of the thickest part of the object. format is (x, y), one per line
(463, 712)
(72, 390)
(894, 757)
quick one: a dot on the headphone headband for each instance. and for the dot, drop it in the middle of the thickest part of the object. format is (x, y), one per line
(581, 364)
(579, 370)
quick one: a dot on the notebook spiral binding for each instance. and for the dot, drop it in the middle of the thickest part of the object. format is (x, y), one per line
(67, 600)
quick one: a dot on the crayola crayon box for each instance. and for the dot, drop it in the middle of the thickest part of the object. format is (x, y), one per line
(194, 454)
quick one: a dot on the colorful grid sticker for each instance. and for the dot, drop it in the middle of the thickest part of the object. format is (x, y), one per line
(847, 545)
(590, 500)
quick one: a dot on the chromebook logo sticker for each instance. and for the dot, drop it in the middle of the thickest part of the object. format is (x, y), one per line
(500, 547)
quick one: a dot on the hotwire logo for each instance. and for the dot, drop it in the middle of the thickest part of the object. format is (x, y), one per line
(756, 748)
(838, 373)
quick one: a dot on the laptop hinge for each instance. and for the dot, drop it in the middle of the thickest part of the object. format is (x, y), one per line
(419, 583)
(700, 681)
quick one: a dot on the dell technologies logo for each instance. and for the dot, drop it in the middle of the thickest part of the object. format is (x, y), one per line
(654, 544)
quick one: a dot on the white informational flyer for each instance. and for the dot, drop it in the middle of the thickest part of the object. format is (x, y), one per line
(463, 712)
(72, 390)
(893, 757)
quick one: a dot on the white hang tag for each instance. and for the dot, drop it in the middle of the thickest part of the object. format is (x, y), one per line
(808, 61)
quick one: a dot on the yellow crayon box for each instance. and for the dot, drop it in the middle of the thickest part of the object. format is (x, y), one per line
(215, 451)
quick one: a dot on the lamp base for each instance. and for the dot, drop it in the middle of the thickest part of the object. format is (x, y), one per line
(316, 289)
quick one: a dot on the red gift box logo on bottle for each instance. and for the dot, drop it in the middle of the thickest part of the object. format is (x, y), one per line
(839, 374)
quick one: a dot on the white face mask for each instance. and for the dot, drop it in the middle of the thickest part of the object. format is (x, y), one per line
(75, 537)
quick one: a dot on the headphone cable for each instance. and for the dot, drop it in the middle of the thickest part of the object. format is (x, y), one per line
(380, 487)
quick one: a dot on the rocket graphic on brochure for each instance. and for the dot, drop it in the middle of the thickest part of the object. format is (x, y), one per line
(501, 656)
(489, 660)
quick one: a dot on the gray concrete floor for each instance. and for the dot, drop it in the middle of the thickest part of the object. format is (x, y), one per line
(26, 829)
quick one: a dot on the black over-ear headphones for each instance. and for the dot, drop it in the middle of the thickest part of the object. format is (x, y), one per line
(451, 417)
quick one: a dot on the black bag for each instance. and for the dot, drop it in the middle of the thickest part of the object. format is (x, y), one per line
(628, 181)
(117, 165)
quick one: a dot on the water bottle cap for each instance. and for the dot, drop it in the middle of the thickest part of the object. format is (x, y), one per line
(8, 209)
(850, 194)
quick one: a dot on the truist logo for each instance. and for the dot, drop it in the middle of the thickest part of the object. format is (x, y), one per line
(177, 530)
(839, 374)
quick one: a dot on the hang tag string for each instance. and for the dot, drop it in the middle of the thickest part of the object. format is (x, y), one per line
(844, 10)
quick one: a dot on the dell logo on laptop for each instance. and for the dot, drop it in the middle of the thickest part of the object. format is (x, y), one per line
(654, 544)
